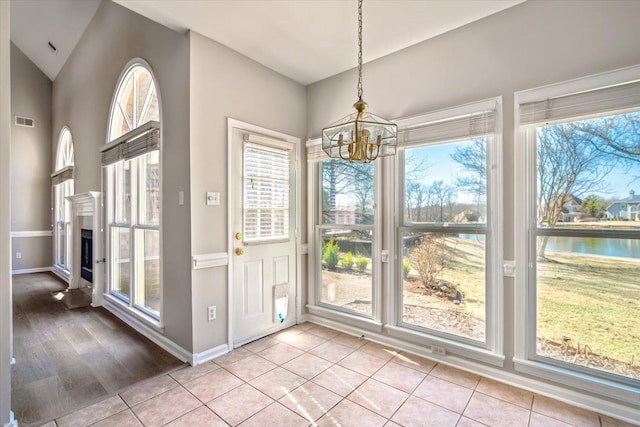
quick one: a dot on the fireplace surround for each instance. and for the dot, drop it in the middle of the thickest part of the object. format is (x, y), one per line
(87, 247)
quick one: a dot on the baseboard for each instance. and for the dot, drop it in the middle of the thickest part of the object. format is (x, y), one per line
(207, 355)
(31, 270)
(571, 397)
(64, 275)
(149, 332)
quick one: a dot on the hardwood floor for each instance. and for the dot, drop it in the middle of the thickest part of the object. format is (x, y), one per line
(66, 359)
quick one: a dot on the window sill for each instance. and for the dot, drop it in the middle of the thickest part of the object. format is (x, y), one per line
(450, 347)
(588, 383)
(346, 318)
(131, 315)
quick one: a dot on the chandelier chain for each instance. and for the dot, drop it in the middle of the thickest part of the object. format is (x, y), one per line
(359, 49)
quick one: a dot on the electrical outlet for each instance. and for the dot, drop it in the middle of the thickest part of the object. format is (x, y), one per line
(438, 350)
(18, 255)
(211, 312)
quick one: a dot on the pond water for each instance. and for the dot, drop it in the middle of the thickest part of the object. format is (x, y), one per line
(626, 248)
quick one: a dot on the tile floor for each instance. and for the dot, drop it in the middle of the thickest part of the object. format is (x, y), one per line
(312, 375)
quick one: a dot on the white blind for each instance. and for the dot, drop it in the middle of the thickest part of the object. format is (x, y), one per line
(598, 102)
(266, 192)
(315, 153)
(62, 175)
(135, 143)
(459, 128)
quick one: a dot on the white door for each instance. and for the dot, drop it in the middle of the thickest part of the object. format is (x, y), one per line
(263, 220)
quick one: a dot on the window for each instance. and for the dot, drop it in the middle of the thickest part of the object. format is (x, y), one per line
(266, 193)
(448, 264)
(131, 163)
(344, 214)
(62, 181)
(579, 144)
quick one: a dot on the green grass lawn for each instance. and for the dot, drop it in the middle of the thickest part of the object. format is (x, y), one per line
(594, 300)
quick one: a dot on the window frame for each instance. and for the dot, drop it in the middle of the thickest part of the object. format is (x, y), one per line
(373, 322)
(130, 303)
(62, 188)
(264, 144)
(525, 358)
(491, 351)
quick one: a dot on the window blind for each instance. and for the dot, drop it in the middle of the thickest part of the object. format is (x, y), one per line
(62, 175)
(459, 128)
(137, 142)
(315, 153)
(266, 192)
(598, 102)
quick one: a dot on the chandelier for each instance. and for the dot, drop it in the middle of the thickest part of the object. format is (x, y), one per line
(360, 137)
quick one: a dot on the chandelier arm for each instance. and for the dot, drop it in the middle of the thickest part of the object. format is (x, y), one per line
(340, 152)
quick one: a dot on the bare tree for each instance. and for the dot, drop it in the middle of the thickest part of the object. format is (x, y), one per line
(442, 194)
(473, 158)
(416, 196)
(569, 164)
(415, 190)
(617, 135)
(345, 178)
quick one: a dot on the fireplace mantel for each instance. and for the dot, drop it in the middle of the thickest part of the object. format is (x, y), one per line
(87, 205)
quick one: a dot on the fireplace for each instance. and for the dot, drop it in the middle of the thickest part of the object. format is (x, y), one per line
(86, 255)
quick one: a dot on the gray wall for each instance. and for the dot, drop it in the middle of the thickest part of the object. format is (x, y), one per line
(529, 45)
(6, 314)
(30, 162)
(226, 84)
(82, 95)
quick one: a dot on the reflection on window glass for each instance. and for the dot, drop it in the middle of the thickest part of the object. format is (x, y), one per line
(347, 192)
(149, 169)
(346, 269)
(588, 287)
(120, 262)
(123, 192)
(149, 269)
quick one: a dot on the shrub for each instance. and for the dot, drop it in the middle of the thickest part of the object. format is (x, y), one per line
(361, 262)
(406, 268)
(330, 254)
(347, 261)
(428, 259)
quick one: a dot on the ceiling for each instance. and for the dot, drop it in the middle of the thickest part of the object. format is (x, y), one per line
(306, 40)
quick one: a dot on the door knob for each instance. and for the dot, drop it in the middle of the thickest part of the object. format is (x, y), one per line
(238, 236)
(239, 251)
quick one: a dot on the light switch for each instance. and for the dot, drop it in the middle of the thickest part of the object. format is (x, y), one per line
(213, 198)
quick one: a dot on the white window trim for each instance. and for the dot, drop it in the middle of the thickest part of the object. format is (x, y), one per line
(493, 349)
(373, 322)
(66, 169)
(129, 311)
(525, 301)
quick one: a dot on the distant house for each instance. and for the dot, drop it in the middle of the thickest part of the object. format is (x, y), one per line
(625, 209)
(571, 210)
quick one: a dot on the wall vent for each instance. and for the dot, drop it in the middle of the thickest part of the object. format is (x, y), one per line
(24, 121)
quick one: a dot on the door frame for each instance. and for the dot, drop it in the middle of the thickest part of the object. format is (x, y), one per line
(233, 124)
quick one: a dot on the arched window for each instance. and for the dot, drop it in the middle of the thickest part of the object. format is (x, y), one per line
(131, 161)
(62, 180)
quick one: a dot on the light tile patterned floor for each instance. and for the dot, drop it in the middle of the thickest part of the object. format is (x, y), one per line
(312, 375)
